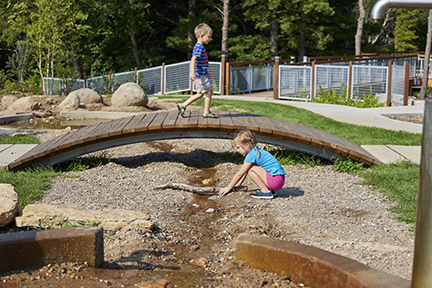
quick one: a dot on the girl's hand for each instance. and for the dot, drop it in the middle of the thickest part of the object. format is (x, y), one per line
(224, 191)
(192, 76)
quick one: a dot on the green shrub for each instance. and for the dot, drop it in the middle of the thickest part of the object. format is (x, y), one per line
(331, 97)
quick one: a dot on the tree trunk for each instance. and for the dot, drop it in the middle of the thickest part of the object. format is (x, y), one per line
(302, 48)
(225, 27)
(360, 24)
(76, 63)
(274, 37)
(426, 59)
(134, 44)
(190, 33)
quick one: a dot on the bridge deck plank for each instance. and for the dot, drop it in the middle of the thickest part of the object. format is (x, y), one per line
(171, 121)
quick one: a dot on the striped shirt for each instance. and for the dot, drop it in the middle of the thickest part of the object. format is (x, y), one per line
(201, 63)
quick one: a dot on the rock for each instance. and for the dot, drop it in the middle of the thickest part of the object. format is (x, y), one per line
(87, 96)
(71, 102)
(110, 219)
(129, 94)
(162, 283)
(25, 104)
(9, 204)
(7, 100)
(200, 262)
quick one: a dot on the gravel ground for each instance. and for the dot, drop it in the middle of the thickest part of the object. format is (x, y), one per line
(317, 207)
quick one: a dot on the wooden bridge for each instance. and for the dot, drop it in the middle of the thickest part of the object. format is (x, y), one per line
(169, 125)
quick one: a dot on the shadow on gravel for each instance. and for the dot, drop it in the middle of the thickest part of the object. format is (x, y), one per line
(289, 192)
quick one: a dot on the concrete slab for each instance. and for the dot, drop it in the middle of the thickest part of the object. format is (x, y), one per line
(14, 118)
(412, 153)
(13, 152)
(394, 153)
(3, 147)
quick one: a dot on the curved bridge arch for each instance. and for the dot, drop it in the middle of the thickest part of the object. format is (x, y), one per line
(169, 125)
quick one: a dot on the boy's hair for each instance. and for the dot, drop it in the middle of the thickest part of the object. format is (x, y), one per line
(245, 138)
(202, 29)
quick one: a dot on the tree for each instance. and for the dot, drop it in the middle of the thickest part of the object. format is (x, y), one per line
(225, 16)
(406, 23)
(21, 62)
(360, 25)
(426, 58)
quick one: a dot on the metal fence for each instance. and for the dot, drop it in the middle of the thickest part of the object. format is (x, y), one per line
(397, 84)
(165, 79)
(251, 78)
(295, 82)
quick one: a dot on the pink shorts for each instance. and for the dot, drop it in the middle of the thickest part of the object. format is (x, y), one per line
(275, 182)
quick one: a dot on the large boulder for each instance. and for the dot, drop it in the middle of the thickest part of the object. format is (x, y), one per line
(71, 102)
(9, 204)
(88, 96)
(129, 94)
(25, 104)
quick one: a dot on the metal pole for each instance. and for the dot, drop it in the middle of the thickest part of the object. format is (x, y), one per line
(422, 269)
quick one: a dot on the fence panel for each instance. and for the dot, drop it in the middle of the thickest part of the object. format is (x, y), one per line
(97, 83)
(295, 82)
(368, 79)
(61, 86)
(151, 80)
(331, 77)
(251, 78)
(398, 84)
(177, 77)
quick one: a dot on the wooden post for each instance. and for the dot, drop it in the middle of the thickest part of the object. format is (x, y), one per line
(85, 81)
(389, 83)
(350, 80)
(64, 86)
(222, 83)
(136, 74)
(276, 78)
(406, 85)
(110, 82)
(313, 81)
(227, 79)
(163, 79)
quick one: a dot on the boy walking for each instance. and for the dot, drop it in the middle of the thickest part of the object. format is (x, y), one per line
(199, 71)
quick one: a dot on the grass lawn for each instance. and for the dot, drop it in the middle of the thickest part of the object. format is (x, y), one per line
(398, 181)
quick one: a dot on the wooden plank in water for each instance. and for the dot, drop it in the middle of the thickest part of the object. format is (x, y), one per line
(130, 128)
(170, 120)
(156, 125)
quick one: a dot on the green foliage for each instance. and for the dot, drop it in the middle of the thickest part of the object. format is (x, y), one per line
(331, 97)
(29, 184)
(20, 64)
(19, 139)
(249, 48)
(347, 165)
(287, 156)
(20, 89)
(85, 163)
(405, 34)
(399, 183)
